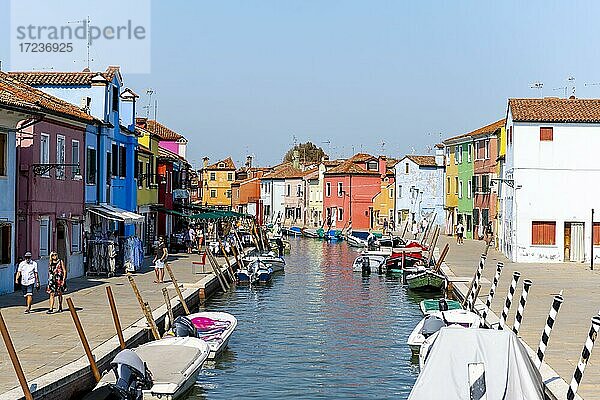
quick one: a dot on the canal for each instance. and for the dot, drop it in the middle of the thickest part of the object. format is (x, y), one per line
(316, 331)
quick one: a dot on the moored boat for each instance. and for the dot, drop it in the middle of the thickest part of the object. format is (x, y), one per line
(355, 242)
(271, 260)
(369, 264)
(215, 328)
(311, 233)
(263, 273)
(429, 306)
(426, 280)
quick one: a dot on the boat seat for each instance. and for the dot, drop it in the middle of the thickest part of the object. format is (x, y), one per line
(168, 363)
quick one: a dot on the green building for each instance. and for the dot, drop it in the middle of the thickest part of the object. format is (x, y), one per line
(462, 146)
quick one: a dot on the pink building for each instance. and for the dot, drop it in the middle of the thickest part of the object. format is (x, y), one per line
(50, 193)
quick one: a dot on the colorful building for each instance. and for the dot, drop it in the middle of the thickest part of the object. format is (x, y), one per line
(274, 191)
(451, 189)
(245, 191)
(147, 192)
(216, 183)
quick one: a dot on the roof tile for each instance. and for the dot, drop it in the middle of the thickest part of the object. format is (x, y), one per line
(552, 109)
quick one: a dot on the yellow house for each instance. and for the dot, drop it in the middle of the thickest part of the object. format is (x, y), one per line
(383, 204)
(216, 182)
(147, 192)
(451, 189)
(499, 228)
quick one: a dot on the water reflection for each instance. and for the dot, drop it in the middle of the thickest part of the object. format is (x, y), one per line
(317, 331)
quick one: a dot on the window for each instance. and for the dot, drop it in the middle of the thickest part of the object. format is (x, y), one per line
(115, 98)
(455, 154)
(447, 155)
(391, 193)
(460, 189)
(3, 153)
(213, 193)
(91, 166)
(485, 183)
(298, 191)
(75, 158)
(60, 156)
(44, 236)
(221, 165)
(213, 176)
(228, 193)
(139, 171)
(115, 160)
(149, 175)
(447, 186)
(546, 134)
(372, 166)
(230, 176)
(469, 189)
(328, 189)
(298, 213)
(122, 162)
(476, 216)
(45, 150)
(596, 233)
(469, 150)
(5, 244)
(340, 189)
(288, 190)
(75, 237)
(543, 232)
(487, 149)
(406, 168)
(456, 185)
(475, 184)
(109, 160)
(340, 214)
(510, 135)
(460, 153)
(399, 192)
(485, 216)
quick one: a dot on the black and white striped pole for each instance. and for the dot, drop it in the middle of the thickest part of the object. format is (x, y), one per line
(521, 308)
(476, 281)
(585, 356)
(556, 303)
(488, 302)
(508, 301)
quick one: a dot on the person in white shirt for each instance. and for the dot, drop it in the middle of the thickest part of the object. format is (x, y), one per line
(28, 273)
(192, 235)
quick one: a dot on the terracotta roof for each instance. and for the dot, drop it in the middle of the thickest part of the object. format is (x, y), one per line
(229, 165)
(552, 109)
(52, 78)
(349, 167)
(144, 149)
(490, 128)
(158, 129)
(361, 157)
(424, 161)
(16, 93)
(285, 171)
(332, 163)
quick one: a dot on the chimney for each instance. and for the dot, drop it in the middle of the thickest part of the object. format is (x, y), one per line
(572, 97)
(383, 165)
(127, 110)
(99, 103)
(249, 161)
(205, 162)
(439, 155)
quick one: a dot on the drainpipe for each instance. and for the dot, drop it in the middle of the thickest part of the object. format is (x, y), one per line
(98, 163)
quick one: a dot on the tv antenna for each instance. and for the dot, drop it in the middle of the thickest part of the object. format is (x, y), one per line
(563, 88)
(537, 85)
(88, 35)
(571, 83)
(149, 93)
(382, 147)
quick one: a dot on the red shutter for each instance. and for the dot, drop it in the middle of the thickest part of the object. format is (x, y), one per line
(546, 134)
(596, 233)
(543, 233)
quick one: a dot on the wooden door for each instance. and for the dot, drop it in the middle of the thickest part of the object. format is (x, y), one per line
(567, 249)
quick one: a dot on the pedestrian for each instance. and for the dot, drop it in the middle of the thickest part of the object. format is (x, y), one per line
(27, 273)
(392, 225)
(160, 258)
(192, 235)
(489, 233)
(415, 229)
(200, 238)
(385, 226)
(460, 230)
(57, 277)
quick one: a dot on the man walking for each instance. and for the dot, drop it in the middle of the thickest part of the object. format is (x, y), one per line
(160, 258)
(460, 230)
(28, 273)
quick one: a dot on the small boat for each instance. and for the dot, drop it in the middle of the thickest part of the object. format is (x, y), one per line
(334, 234)
(245, 275)
(262, 272)
(355, 242)
(215, 328)
(426, 280)
(466, 363)
(434, 321)
(276, 263)
(430, 306)
(292, 231)
(163, 369)
(311, 233)
(369, 264)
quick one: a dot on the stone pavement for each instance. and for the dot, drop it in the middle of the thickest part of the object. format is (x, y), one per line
(581, 291)
(46, 342)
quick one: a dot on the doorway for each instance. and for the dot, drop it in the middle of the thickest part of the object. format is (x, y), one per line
(61, 241)
(574, 249)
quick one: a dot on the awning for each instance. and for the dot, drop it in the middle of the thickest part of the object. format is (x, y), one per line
(116, 214)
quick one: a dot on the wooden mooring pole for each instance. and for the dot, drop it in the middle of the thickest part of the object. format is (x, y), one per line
(177, 289)
(229, 267)
(165, 293)
(14, 359)
(84, 341)
(145, 308)
(115, 315)
(216, 269)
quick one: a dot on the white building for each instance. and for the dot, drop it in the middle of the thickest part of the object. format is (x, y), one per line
(549, 180)
(420, 188)
(276, 192)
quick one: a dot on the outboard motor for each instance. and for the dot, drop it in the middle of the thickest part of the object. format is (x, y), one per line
(132, 376)
(183, 327)
(443, 305)
(366, 266)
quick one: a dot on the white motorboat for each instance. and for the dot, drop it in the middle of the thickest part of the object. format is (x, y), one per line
(215, 328)
(434, 321)
(368, 264)
(246, 273)
(355, 242)
(466, 363)
(164, 369)
(270, 259)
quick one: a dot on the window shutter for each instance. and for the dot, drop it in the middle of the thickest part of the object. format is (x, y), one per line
(546, 134)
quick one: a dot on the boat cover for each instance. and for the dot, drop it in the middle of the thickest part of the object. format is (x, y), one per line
(509, 372)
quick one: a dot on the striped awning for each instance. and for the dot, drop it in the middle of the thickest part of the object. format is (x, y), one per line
(116, 214)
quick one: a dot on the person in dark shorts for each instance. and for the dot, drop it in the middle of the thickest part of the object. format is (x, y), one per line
(27, 273)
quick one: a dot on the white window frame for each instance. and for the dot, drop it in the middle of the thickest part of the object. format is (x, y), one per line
(460, 188)
(76, 170)
(75, 237)
(211, 193)
(298, 190)
(486, 145)
(328, 189)
(45, 158)
(447, 155)
(469, 149)
(44, 244)
(340, 214)
(399, 191)
(288, 190)
(469, 189)
(456, 154)
(340, 189)
(61, 156)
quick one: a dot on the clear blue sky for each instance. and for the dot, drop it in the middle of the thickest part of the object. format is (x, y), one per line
(238, 77)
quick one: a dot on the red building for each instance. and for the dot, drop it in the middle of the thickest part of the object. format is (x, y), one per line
(349, 188)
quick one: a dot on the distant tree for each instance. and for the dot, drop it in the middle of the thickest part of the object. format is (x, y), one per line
(308, 152)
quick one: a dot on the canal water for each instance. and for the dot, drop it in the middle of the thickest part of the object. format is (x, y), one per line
(316, 331)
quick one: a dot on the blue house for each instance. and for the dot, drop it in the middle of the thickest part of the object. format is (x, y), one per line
(111, 145)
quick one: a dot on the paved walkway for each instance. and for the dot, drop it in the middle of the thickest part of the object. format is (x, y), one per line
(581, 291)
(46, 342)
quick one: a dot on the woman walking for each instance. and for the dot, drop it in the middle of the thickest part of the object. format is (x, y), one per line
(57, 276)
